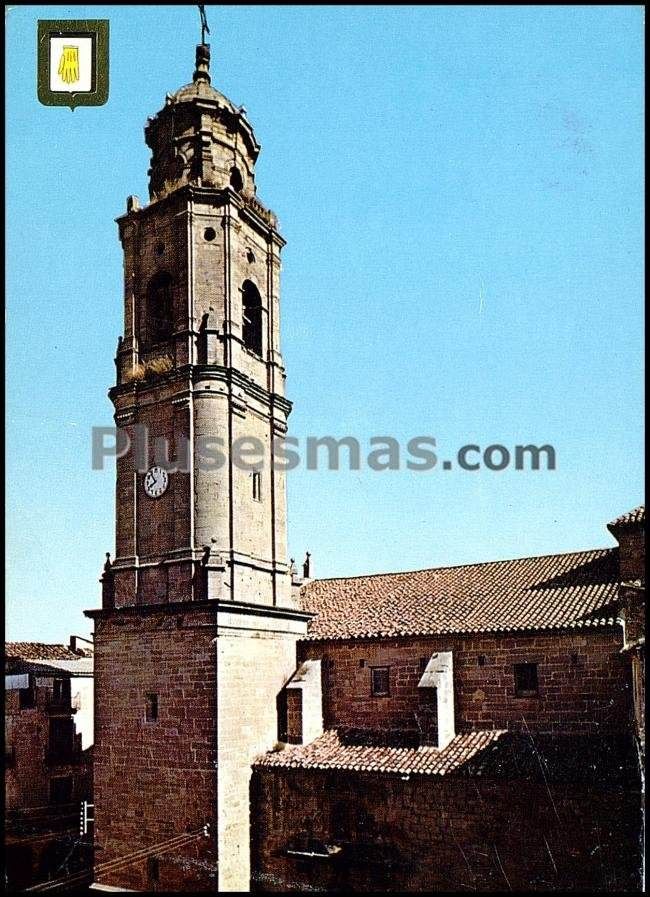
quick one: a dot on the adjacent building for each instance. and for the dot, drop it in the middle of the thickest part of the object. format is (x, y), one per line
(48, 758)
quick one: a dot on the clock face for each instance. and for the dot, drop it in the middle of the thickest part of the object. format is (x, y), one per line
(156, 480)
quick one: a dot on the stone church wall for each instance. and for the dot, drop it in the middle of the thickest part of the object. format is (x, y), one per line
(449, 834)
(583, 681)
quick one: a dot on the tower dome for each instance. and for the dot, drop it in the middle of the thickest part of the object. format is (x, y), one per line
(200, 137)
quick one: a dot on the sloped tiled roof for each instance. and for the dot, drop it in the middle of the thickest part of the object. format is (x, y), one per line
(77, 667)
(495, 754)
(330, 751)
(550, 592)
(631, 518)
(42, 651)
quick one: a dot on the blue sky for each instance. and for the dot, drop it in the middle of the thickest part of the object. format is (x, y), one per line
(461, 192)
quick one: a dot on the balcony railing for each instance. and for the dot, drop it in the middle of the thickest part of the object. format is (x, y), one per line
(57, 706)
(265, 214)
(59, 702)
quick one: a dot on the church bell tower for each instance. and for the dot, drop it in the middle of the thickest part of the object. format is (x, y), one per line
(196, 635)
(199, 366)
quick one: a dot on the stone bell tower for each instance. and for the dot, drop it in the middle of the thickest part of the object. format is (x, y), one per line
(196, 635)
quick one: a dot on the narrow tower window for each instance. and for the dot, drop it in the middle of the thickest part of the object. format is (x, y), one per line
(160, 325)
(151, 709)
(236, 180)
(257, 486)
(252, 317)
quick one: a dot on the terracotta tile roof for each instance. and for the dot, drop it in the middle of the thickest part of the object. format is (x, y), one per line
(631, 518)
(330, 751)
(77, 667)
(550, 592)
(41, 651)
(494, 754)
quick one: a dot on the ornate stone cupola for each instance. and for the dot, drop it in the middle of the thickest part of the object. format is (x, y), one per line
(200, 138)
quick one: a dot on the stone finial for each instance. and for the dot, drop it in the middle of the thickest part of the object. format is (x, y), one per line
(292, 566)
(132, 203)
(202, 70)
(107, 580)
(306, 567)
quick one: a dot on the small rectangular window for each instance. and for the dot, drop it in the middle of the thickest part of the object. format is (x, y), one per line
(61, 692)
(27, 696)
(151, 709)
(153, 870)
(423, 663)
(380, 681)
(526, 683)
(61, 744)
(257, 486)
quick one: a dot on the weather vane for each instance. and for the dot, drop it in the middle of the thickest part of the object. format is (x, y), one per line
(204, 23)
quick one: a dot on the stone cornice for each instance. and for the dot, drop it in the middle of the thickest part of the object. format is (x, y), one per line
(267, 610)
(236, 378)
(143, 610)
(250, 208)
(235, 609)
(181, 377)
(238, 618)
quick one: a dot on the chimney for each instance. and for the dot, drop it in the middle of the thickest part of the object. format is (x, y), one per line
(74, 644)
(629, 532)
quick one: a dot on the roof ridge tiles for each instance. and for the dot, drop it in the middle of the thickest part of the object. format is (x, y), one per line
(471, 564)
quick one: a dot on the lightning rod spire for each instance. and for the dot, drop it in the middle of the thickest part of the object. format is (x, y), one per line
(204, 23)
